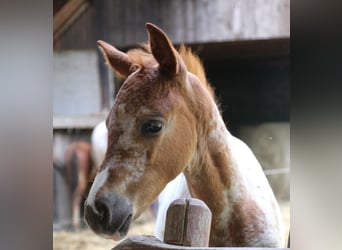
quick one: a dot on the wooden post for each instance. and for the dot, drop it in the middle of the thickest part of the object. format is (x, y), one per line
(187, 227)
(188, 223)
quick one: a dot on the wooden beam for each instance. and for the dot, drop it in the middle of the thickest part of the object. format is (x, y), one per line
(145, 242)
(81, 122)
(67, 15)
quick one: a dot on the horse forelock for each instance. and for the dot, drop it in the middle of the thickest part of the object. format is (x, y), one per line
(142, 57)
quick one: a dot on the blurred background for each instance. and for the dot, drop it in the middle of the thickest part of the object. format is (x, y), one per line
(245, 48)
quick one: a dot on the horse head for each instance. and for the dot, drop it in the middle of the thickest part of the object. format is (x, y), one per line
(151, 133)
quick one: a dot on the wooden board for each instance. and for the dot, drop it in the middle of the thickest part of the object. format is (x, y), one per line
(67, 15)
(79, 122)
(144, 242)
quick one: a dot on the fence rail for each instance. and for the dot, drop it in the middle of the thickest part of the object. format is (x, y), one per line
(145, 242)
(187, 226)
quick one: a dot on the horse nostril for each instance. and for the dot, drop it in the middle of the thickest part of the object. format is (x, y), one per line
(109, 215)
(102, 209)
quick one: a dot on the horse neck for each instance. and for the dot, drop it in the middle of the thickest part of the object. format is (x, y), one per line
(225, 174)
(213, 175)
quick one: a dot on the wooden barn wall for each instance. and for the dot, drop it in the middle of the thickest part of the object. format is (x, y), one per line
(81, 34)
(258, 88)
(193, 20)
(76, 88)
(121, 22)
(202, 22)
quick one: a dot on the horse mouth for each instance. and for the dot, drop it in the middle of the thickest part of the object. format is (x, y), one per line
(121, 232)
(110, 218)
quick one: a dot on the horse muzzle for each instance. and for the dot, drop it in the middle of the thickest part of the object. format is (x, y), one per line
(110, 216)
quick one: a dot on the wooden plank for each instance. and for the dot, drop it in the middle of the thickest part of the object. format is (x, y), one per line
(145, 242)
(81, 34)
(76, 87)
(67, 15)
(196, 20)
(73, 121)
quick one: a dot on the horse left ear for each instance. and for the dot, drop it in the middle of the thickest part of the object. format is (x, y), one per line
(116, 59)
(162, 49)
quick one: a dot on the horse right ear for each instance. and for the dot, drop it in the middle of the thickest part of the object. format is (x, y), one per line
(118, 60)
(162, 49)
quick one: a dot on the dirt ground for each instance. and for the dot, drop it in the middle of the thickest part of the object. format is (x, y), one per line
(87, 240)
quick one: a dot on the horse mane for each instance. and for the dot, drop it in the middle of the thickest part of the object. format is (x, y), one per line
(195, 66)
(143, 57)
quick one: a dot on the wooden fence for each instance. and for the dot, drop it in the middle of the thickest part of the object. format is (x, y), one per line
(187, 226)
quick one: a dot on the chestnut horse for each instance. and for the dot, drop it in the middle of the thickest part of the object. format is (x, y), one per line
(79, 172)
(164, 122)
(81, 163)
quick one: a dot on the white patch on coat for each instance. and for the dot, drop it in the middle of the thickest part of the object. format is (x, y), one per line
(99, 143)
(248, 174)
(260, 191)
(175, 189)
(99, 181)
(135, 167)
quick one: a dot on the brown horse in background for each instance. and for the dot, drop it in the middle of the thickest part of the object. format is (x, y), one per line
(79, 174)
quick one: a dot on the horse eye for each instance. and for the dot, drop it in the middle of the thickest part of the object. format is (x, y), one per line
(151, 128)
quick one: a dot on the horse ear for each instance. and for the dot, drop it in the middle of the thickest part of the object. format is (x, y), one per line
(118, 60)
(162, 49)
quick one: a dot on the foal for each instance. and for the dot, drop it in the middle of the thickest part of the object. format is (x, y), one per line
(165, 122)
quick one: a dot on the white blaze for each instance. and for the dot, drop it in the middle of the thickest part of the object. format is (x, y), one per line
(99, 181)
